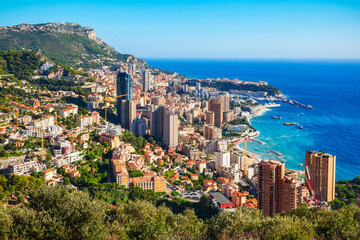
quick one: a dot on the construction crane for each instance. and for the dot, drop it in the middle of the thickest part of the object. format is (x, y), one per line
(17, 119)
(106, 99)
(56, 116)
(42, 143)
(308, 180)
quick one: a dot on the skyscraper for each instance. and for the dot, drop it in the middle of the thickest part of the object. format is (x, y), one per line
(171, 129)
(139, 126)
(271, 174)
(277, 192)
(124, 85)
(126, 108)
(225, 102)
(210, 118)
(157, 122)
(147, 80)
(216, 107)
(127, 113)
(321, 168)
(290, 194)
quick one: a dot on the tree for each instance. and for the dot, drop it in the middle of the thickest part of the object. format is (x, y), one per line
(136, 173)
(66, 181)
(175, 193)
(250, 196)
(61, 171)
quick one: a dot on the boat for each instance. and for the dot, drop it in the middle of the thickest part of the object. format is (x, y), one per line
(301, 164)
(290, 123)
(301, 127)
(309, 107)
(276, 117)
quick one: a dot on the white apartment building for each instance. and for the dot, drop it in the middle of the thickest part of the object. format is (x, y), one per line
(51, 131)
(84, 121)
(67, 159)
(26, 168)
(66, 112)
(222, 158)
(110, 128)
(43, 122)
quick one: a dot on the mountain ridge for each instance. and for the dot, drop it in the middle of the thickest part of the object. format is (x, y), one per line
(67, 43)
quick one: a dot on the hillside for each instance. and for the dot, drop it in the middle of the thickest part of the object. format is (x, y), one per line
(346, 193)
(67, 43)
(54, 213)
(21, 64)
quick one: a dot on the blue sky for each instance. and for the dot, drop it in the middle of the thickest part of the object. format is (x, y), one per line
(207, 29)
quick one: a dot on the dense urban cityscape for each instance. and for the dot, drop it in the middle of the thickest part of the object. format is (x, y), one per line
(130, 128)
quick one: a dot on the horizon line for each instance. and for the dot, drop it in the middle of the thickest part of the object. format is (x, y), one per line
(251, 58)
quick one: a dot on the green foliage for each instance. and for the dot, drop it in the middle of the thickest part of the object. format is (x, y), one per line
(21, 63)
(55, 213)
(175, 193)
(250, 196)
(136, 173)
(18, 183)
(346, 192)
(60, 85)
(66, 181)
(83, 112)
(239, 121)
(138, 142)
(69, 49)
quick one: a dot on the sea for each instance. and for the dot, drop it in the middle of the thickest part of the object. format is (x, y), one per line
(331, 87)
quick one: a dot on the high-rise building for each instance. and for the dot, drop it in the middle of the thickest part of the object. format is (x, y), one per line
(158, 100)
(210, 118)
(126, 108)
(277, 192)
(198, 86)
(212, 132)
(157, 122)
(147, 80)
(139, 126)
(237, 157)
(171, 129)
(271, 174)
(290, 192)
(321, 167)
(222, 159)
(225, 102)
(216, 107)
(124, 86)
(127, 113)
(228, 116)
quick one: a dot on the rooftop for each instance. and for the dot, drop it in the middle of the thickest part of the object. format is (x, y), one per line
(220, 197)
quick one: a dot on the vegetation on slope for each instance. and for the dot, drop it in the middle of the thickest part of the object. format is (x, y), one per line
(69, 49)
(54, 213)
(20, 63)
(346, 192)
(60, 85)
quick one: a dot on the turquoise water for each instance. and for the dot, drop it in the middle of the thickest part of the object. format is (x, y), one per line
(331, 87)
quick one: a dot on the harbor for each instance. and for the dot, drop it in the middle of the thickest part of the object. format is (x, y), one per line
(257, 141)
(276, 153)
(296, 103)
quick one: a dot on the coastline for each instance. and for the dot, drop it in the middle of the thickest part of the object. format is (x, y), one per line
(254, 156)
(263, 108)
